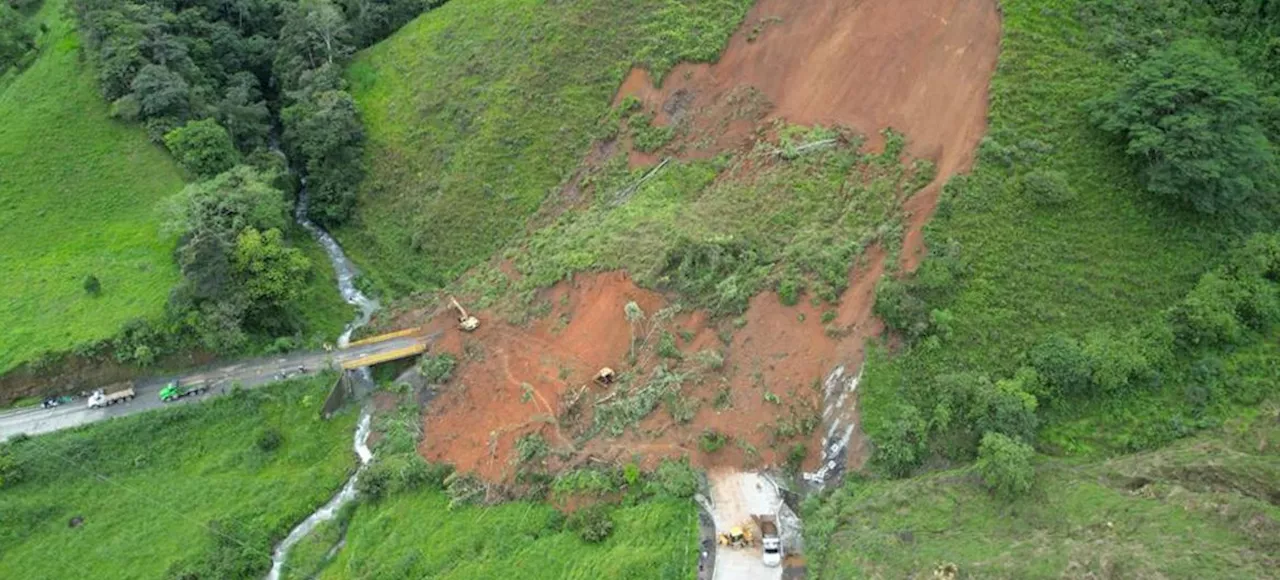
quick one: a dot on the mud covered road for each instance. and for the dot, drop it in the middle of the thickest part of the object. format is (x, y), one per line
(247, 373)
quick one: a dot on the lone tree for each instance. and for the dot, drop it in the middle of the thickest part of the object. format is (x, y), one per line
(1005, 465)
(1189, 117)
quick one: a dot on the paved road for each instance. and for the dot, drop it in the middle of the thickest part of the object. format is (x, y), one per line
(248, 373)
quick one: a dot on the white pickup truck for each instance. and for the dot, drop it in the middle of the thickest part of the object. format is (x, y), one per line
(110, 395)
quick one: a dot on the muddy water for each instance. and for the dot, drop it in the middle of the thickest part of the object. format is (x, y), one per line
(346, 272)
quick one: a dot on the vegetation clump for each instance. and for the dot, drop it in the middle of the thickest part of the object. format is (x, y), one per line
(437, 369)
(1005, 465)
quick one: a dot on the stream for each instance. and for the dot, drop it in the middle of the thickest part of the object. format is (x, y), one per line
(346, 273)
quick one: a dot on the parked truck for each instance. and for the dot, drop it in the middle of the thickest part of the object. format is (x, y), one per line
(111, 394)
(771, 541)
(174, 391)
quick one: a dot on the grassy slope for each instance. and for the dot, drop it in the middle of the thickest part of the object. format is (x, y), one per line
(165, 475)
(1204, 514)
(1111, 259)
(78, 195)
(415, 536)
(476, 110)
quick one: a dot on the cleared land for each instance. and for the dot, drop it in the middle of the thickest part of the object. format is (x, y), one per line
(78, 196)
(199, 488)
(1201, 508)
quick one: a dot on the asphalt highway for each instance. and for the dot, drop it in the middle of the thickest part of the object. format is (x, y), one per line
(221, 379)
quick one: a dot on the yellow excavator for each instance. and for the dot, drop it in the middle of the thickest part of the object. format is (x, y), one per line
(465, 321)
(739, 536)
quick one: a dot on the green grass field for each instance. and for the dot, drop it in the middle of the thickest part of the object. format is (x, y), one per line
(1202, 508)
(173, 489)
(1112, 259)
(78, 196)
(476, 110)
(416, 536)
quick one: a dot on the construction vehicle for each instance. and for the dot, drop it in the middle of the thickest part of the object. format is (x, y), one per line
(738, 536)
(111, 394)
(174, 391)
(465, 322)
(770, 540)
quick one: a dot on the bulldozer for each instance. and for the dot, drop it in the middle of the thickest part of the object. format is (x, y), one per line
(465, 321)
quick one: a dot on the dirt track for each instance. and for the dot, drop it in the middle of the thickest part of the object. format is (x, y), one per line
(920, 67)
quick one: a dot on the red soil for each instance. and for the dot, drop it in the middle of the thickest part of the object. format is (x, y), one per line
(921, 67)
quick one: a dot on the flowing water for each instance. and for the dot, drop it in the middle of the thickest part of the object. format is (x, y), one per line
(346, 272)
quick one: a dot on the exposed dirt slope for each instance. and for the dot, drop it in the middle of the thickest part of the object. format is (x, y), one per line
(919, 67)
(922, 67)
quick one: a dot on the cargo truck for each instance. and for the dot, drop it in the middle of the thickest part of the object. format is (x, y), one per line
(111, 394)
(770, 540)
(174, 391)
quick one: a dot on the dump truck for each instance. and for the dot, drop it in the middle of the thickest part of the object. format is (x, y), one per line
(111, 394)
(770, 540)
(174, 391)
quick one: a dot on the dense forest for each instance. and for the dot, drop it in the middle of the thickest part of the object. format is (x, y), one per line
(240, 93)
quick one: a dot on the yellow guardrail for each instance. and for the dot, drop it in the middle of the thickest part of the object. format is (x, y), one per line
(382, 357)
(387, 336)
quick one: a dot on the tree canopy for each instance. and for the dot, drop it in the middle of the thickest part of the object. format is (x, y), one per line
(203, 148)
(1190, 120)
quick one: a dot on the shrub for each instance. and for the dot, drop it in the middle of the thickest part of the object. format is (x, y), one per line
(92, 286)
(710, 359)
(721, 273)
(900, 445)
(667, 346)
(1189, 118)
(1005, 465)
(677, 479)
(437, 369)
(375, 481)
(1047, 187)
(269, 439)
(463, 489)
(789, 292)
(1063, 366)
(531, 447)
(795, 458)
(1207, 316)
(711, 441)
(593, 524)
(144, 355)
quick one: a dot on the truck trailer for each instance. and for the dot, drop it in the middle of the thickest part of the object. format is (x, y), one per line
(111, 394)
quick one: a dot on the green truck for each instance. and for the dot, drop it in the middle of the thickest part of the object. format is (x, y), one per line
(174, 391)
